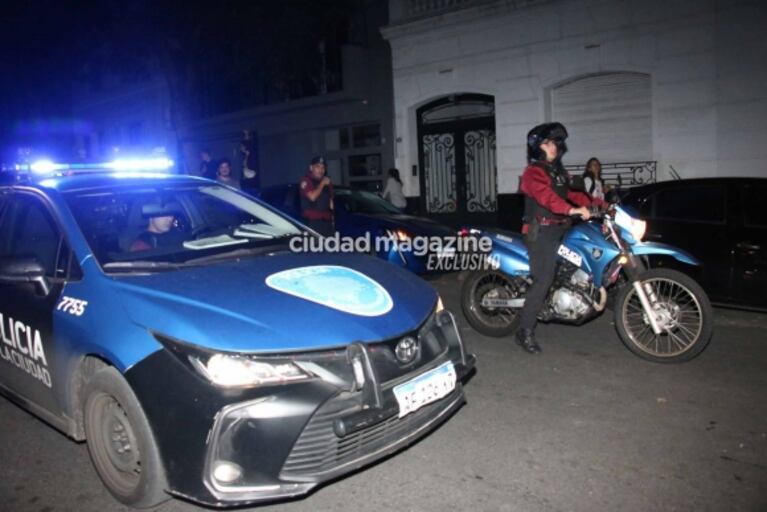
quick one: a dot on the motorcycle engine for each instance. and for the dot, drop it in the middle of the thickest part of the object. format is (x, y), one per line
(569, 302)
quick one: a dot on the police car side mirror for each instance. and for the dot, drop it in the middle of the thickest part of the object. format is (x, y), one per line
(23, 270)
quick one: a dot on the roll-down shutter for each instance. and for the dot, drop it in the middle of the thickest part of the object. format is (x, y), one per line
(608, 116)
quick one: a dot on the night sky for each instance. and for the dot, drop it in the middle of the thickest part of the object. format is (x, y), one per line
(216, 57)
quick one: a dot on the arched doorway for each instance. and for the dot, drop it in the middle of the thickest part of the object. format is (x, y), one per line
(456, 155)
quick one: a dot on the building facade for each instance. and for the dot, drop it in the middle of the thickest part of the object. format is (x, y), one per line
(658, 88)
(347, 116)
(351, 127)
(123, 119)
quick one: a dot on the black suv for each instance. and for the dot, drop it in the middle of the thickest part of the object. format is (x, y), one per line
(723, 222)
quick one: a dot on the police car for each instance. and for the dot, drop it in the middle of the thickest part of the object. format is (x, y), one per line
(164, 320)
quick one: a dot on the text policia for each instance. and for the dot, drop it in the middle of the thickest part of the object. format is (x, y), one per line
(442, 253)
(22, 346)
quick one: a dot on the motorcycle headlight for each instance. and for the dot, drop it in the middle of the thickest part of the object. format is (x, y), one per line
(238, 371)
(638, 229)
(634, 226)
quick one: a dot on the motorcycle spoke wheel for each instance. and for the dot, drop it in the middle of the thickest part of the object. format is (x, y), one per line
(678, 312)
(496, 286)
(494, 321)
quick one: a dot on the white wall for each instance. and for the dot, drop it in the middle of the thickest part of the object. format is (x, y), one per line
(705, 59)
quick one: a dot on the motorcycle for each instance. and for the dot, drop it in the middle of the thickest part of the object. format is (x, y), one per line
(661, 315)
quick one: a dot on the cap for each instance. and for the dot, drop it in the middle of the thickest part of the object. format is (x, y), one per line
(318, 160)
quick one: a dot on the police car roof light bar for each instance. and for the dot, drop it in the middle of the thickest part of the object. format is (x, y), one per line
(42, 168)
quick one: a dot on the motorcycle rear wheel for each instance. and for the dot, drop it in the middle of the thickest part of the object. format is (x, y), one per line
(491, 321)
(685, 315)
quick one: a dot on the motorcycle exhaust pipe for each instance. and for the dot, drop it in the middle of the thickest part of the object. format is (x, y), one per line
(600, 306)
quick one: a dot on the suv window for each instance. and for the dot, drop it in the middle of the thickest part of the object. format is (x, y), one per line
(697, 203)
(753, 205)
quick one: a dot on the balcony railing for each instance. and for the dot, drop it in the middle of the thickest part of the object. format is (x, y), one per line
(624, 174)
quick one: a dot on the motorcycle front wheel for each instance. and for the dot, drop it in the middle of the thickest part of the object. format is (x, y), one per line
(682, 310)
(489, 320)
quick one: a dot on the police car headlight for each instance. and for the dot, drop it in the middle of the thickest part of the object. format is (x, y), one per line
(400, 235)
(233, 370)
(237, 371)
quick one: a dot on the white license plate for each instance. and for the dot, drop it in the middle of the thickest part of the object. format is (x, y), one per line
(425, 389)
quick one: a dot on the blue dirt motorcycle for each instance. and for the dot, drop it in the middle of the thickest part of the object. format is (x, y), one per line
(661, 315)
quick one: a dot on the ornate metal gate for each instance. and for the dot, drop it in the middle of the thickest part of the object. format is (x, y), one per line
(457, 157)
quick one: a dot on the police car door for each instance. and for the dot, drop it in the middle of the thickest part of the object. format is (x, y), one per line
(34, 258)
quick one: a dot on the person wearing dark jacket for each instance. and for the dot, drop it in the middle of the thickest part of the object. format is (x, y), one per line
(550, 202)
(316, 192)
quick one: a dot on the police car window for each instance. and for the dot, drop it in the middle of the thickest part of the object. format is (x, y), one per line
(171, 223)
(3, 199)
(30, 231)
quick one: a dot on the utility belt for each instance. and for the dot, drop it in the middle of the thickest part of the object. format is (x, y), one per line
(317, 215)
(534, 226)
(549, 221)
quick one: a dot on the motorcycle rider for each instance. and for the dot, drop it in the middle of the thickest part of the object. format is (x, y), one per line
(550, 201)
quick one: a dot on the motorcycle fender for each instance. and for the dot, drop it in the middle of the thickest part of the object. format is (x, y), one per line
(656, 248)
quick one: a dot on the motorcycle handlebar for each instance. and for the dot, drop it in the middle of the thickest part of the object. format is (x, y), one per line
(595, 213)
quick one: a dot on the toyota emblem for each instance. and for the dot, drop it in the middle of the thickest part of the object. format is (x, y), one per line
(407, 350)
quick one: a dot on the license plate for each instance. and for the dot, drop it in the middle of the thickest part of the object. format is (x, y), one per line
(425, 389)
(571, 256)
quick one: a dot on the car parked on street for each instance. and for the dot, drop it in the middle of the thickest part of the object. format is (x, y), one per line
(360, 213)
(721, 221)
(164, 320)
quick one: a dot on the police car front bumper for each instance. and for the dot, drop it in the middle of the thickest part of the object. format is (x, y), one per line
(234, 447)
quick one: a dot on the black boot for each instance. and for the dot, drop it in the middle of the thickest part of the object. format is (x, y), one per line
(526, 340)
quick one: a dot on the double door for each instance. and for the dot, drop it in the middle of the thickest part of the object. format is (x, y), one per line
(457, 159)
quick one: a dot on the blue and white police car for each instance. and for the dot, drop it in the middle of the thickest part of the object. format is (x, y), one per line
(164, 320)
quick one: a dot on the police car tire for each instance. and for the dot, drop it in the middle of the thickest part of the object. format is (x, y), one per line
(108, 389)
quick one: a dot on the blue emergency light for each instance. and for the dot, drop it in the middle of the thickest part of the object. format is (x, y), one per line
(49, 168)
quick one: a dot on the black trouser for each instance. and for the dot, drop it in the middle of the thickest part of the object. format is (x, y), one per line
(543, 264)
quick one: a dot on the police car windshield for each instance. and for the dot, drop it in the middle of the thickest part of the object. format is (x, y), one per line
(146, 226)
(360, 201)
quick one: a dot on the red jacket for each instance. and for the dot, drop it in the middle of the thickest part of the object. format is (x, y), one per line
(536, 184)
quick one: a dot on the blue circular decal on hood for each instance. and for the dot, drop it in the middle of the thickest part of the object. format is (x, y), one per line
(336, 287)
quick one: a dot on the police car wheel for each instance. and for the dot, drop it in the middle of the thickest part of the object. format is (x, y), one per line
(121, 443)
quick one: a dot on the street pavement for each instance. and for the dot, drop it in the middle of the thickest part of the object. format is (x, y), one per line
(584, 426)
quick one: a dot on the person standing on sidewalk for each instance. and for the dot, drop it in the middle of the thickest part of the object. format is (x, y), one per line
(549, 203)
(316, 192)
(392, 192)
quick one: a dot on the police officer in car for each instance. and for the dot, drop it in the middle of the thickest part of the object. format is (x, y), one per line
(317, 198)
(160, 230)
(550, 202)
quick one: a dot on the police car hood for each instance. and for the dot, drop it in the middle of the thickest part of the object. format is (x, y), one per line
(286, 302)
